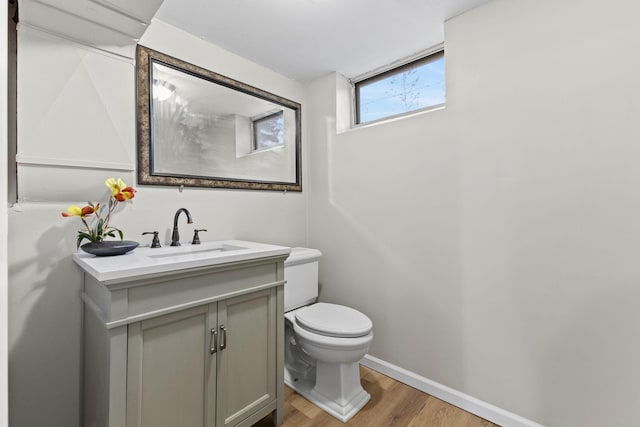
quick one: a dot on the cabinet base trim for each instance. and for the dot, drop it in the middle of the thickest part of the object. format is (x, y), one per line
(258, 415)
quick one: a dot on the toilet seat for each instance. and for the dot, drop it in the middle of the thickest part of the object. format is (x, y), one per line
(333, 320)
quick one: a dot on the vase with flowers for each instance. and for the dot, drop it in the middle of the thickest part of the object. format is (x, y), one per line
(96, 219)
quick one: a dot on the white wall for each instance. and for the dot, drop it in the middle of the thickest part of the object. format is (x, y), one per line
(4, 194)
(76, 114)
(494, 243)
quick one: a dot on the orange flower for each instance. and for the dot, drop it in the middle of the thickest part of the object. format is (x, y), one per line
(97, 228)
(126, 193)
(78, 211)
(119, 190)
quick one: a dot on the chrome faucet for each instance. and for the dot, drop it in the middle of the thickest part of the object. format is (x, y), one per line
(175, 237)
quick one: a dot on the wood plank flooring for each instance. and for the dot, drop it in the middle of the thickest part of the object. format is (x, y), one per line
(392, 404)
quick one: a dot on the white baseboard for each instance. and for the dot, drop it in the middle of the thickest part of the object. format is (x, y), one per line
(463, 401)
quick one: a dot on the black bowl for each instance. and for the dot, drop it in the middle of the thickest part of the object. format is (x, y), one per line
(109, 247)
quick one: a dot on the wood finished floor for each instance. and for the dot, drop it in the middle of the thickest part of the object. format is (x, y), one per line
(392, 404)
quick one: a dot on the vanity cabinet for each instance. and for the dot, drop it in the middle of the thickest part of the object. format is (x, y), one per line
(226, 349)
(196, 347)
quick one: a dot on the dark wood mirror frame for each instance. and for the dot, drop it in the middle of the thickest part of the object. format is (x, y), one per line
(145, 58)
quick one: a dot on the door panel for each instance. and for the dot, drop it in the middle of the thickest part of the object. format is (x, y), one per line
(246, 369)
(169, 370)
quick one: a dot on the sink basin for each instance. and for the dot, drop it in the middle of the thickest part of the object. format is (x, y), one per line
(191, 250)
(148, 261)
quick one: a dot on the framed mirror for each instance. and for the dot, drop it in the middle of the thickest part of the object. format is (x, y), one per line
(198, 128)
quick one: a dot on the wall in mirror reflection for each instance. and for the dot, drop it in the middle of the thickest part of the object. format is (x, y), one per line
(204, 129)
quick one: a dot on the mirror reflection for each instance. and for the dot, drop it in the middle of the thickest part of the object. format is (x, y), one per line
(205, 129)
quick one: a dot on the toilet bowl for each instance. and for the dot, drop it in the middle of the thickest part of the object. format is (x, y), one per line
(323, 342)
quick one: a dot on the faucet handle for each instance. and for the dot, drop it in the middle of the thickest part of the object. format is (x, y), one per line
(196, 238)
(156, 242)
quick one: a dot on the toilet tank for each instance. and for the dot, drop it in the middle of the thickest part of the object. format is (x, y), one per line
(301, 274)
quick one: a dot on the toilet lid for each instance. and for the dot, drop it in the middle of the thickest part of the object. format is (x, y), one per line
(333, 320)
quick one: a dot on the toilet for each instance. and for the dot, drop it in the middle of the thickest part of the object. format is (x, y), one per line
(323, 342)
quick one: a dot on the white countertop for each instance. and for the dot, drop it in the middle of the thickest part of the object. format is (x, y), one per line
(145, 260)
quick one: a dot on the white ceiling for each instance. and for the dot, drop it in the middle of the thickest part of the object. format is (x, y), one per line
(305, 39)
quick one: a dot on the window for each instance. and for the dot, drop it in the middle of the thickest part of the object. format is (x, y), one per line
(268, 131)
(409, 87)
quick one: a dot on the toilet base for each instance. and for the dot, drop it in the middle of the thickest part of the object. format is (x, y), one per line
(343, 411)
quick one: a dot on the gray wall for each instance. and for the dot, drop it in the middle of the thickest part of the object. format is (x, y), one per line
(494, 243)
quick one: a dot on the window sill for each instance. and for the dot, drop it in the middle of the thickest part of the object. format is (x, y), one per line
(395, 118)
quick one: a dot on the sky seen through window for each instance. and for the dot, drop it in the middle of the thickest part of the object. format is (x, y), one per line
(413, 89)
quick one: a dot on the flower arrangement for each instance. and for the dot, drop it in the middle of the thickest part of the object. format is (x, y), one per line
(97, 227)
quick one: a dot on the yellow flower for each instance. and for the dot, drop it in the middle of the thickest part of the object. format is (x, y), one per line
(127, 193)
(115, 186)
(119, 190)
(74, 210)
(97, 228)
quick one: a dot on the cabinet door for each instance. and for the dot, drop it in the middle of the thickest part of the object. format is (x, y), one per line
(170, 370)
(247, 363)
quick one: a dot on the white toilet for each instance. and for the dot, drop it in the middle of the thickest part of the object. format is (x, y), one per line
(323, 342)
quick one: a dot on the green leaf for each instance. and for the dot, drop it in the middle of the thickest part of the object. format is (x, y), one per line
(82, 236)
(111, 232)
